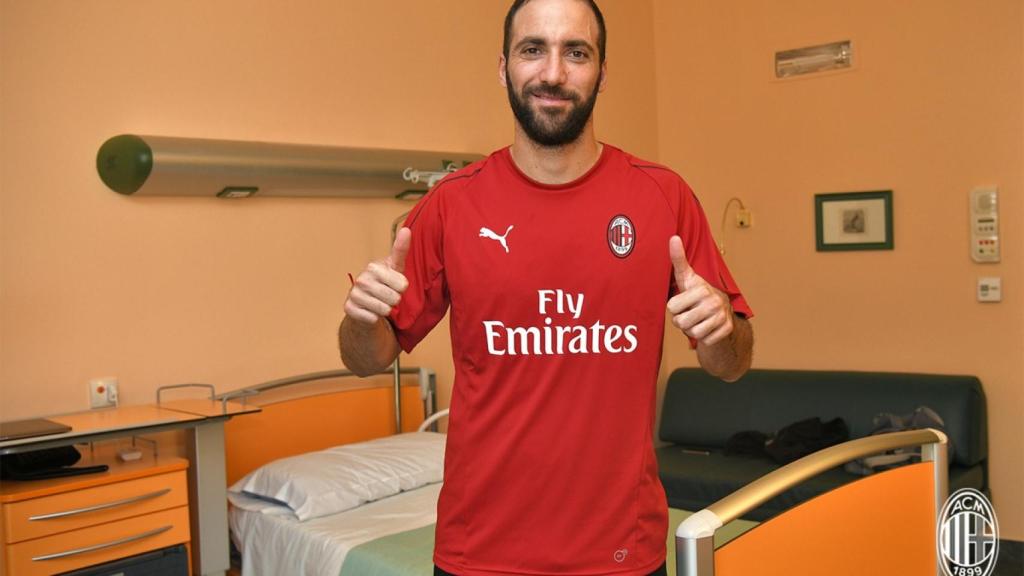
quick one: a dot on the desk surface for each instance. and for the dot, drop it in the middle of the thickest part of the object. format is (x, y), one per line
(119, 419)
(95, 424)
(209, 408)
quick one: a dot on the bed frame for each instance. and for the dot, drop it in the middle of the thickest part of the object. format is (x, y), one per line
(886, 520)
(880, 523)
(322, 409)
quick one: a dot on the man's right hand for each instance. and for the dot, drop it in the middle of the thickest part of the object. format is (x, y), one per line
(378, 289)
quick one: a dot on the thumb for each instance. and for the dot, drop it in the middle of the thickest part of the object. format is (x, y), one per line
(396, 260)
(677, 254)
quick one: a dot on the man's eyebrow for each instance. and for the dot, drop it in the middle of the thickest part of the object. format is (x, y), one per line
(579, 44)
(531, 40)
(539, 41)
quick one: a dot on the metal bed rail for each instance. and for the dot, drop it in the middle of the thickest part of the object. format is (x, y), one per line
(695, 551)
(426, 377)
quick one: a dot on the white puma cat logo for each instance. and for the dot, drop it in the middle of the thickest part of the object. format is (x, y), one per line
(488, 233)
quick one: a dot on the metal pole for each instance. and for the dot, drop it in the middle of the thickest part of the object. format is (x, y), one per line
(398, 395)
(938, 454)
(397, 368)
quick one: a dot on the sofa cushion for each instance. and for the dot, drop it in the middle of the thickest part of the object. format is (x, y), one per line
(701, 410)
(695, 481)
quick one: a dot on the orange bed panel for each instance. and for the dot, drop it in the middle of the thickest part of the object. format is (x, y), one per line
(884, 523)
(315, 423)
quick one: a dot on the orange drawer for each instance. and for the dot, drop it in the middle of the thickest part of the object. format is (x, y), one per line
(47, 515)
(98, 544)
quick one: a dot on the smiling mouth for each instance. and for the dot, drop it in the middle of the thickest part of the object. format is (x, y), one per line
(550, 100)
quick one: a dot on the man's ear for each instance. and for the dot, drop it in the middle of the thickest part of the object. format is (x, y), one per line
(604, 76)
(501, 71)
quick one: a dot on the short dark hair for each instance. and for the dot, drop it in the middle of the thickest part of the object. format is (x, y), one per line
(602, 34)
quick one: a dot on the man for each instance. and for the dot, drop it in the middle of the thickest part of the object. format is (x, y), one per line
(556, 256)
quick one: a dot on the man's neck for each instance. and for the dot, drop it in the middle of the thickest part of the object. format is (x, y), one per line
(556, 165)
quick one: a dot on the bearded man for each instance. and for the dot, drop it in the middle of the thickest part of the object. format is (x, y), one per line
(558, 256)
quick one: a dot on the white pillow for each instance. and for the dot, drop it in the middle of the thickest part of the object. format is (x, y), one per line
(337, 479)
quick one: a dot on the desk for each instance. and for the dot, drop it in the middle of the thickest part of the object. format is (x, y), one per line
(69, 523)
(203, 423)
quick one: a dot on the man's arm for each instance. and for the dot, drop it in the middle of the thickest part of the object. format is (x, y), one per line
(367, 341)
(730, 357)
(725, 341)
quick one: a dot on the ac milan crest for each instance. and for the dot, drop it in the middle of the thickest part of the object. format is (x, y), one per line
(621, 236)
(967, 534)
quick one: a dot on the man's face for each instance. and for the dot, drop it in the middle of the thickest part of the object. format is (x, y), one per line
(553, 71)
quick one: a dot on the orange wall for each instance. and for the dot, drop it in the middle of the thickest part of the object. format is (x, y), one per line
(159, 291)
(932, 110)
(167, 290)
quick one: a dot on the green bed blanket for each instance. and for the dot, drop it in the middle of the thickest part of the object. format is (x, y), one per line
(411, 553)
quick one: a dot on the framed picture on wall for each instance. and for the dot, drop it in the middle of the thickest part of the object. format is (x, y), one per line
(853, 221)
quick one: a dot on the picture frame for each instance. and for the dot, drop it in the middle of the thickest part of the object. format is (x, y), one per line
(853, 221)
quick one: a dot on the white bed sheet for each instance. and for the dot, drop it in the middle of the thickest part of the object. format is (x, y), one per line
(273, 541)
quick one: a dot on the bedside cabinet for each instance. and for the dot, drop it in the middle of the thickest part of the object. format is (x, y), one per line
(64, 524)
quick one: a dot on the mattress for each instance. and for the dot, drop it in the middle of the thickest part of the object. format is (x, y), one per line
(389, 537)
(272, 541)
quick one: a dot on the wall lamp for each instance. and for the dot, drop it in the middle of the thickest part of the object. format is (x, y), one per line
(169, 166)
(813, 59)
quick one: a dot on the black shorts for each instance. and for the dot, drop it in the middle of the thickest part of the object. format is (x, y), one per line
(659, 572)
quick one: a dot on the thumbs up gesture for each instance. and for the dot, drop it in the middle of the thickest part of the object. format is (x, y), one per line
(379, 288)
(700, 310)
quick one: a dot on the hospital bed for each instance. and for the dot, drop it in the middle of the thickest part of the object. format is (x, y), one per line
(330, 427)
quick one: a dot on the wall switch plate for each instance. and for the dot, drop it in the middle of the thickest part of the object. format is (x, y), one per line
(985, 225)
(102, 392)
(990, 289)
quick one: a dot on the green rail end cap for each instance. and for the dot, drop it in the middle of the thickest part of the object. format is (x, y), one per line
(124, 163)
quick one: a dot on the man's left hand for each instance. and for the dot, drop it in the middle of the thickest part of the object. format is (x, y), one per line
(700, 310)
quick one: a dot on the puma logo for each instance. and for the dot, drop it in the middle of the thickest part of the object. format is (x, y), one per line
(488, 233)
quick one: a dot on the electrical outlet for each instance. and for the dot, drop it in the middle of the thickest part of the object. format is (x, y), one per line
(744, 218)
(102, 392)
(990, 289)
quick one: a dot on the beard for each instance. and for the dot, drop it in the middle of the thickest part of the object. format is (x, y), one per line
(551, 130)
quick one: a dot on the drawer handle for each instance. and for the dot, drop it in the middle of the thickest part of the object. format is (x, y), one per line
(126, 540)
(114, 504)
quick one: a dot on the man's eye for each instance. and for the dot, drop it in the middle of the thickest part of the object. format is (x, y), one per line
(577, 54)
(531, 50)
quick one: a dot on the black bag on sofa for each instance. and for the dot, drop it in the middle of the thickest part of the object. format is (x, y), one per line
(791, 442)
(806, 437)
(747, 443)
(922, 417)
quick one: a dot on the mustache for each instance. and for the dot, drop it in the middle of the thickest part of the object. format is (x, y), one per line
(553, 92)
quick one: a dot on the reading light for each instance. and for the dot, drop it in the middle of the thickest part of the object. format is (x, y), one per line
(171, 166)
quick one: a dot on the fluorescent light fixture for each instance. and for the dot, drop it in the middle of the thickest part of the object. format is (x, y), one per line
(813, 59)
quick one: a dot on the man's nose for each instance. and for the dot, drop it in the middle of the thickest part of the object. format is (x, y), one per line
(554, 72)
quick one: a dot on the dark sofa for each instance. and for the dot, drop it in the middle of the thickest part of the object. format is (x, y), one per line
(700, 413)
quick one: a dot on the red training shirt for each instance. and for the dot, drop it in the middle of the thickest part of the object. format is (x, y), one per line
(558, 311)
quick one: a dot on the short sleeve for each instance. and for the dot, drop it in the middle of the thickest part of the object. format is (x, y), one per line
(426, 300)
(702, 252)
